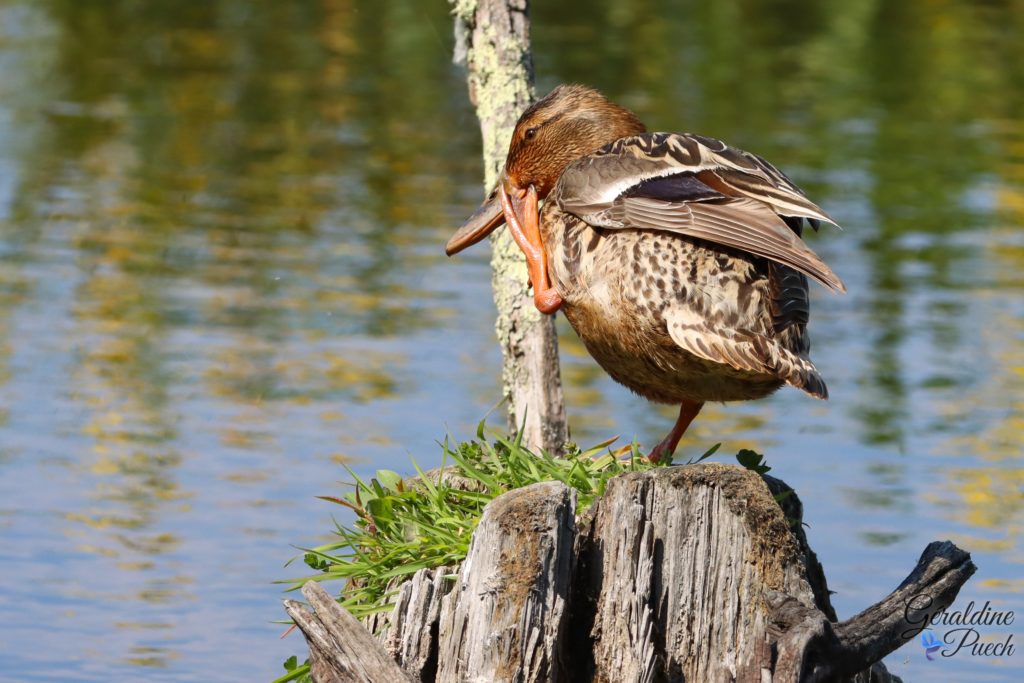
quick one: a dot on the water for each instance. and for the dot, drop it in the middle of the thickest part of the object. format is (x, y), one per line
(221, 230)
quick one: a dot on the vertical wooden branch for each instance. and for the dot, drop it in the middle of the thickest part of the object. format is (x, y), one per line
(493, 40)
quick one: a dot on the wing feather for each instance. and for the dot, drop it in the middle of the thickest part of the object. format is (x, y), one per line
(743, 350)
(698, 187)
(740, 223)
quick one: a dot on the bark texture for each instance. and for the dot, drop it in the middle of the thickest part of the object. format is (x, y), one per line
(505, 619)
(493, 41)
(693, 573)
(340, 649)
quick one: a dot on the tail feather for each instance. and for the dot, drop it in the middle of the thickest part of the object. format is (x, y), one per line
(796, 370)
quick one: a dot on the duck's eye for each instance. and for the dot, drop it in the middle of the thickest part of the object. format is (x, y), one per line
(530, 134)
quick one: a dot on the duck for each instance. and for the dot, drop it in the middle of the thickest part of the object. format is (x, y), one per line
(677, 259)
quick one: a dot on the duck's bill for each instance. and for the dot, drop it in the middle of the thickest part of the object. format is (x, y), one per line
(481, 224)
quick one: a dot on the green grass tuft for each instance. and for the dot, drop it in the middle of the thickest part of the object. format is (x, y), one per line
(405, 525)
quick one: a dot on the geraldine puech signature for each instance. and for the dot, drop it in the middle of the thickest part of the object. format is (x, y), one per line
(965, 636)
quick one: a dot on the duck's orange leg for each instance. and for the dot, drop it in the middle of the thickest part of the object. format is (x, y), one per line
(524, 224)
(687, 411)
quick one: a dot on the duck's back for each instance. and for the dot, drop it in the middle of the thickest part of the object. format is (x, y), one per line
(676, 318)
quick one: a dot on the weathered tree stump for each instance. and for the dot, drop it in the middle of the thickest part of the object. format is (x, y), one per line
(692, 573)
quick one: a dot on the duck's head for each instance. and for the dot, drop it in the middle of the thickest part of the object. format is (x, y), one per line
(570, 122)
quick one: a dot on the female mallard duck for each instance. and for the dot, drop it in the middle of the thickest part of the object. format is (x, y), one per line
(677, 259)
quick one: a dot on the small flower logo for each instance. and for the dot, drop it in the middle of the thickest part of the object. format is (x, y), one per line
(930, 643)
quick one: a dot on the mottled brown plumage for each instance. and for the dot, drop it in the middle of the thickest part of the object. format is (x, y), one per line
(677, 259)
